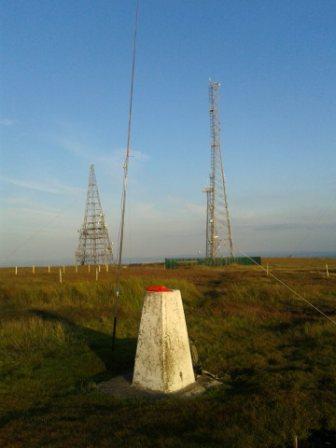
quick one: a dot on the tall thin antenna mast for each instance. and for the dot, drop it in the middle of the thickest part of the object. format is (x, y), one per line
(126, 162)
(218, 227)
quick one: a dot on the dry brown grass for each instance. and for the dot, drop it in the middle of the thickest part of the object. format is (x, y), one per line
(275, 354)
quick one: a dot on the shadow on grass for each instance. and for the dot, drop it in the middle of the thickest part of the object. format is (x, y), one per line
(117, 361)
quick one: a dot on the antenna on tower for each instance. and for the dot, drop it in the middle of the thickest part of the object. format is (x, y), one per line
(218, 224)
(94, 242)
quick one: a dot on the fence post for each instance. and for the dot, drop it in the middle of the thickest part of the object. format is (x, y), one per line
(327, 271)
(107, 267)
(89, 268)
(33, 269)
(296, 443)
(267, 270)
(60, 276)
(49, 269)
(16, 270)
(97, 274)
(76, 269)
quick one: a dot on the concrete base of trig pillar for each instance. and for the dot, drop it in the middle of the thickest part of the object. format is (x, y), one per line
(163, 361)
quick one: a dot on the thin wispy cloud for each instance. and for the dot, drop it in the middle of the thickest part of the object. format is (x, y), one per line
(21, 202)
(53, 187)
(6, 122)
(33, 213)
(75, 147)
(139, 155)
(184, 206)
(115, 158)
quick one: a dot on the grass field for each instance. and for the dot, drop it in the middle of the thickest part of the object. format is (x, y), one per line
(275, 354)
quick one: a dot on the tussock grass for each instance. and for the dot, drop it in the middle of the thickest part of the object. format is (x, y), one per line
(31, 334)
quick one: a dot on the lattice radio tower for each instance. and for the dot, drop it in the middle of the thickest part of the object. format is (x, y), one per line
(94, 243)
(218, 225)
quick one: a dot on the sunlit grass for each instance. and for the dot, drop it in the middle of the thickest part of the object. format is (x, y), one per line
(275, 354)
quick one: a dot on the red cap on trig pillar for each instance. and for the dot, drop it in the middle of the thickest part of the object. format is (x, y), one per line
(158, 288)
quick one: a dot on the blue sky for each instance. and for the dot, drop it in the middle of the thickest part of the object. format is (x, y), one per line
(64, 98)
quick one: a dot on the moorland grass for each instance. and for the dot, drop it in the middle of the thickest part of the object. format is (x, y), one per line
(275, 355)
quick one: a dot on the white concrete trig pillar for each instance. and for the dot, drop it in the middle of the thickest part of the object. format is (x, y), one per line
(163, 360)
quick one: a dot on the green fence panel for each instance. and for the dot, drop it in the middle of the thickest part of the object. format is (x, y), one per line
(173, 263)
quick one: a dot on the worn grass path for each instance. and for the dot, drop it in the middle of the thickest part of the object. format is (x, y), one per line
(276, 356)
